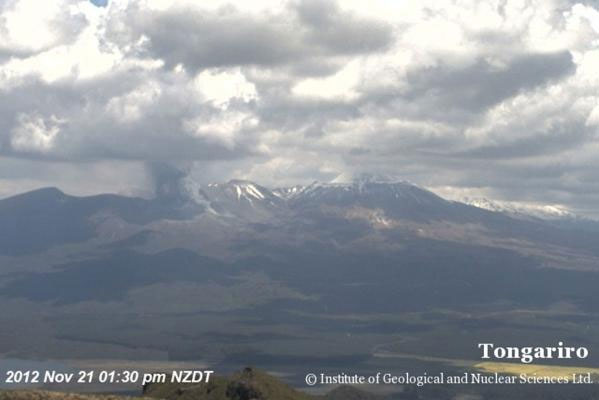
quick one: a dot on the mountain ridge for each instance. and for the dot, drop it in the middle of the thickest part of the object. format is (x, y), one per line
(197, 198)
(219, 219)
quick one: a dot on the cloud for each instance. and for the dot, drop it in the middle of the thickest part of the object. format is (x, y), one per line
(496, 97)
(301, 37)
(34, 133)
(26, 29)
(485, 83)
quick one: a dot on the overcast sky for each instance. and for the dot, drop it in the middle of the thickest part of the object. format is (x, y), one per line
(482, 98)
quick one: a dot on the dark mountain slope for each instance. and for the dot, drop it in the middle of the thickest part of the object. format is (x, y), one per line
(37, 220)
(110, 278)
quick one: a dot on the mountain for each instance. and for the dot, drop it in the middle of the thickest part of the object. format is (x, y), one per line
(223, 220)
(41, 219)
(397, 199)
(364, 273)
(239, 199)
(237, 219)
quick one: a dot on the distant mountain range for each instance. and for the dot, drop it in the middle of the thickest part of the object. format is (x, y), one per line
(45, 218)
(318, 274)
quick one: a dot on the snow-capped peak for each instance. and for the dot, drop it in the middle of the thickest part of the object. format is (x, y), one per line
(248, 190)
(364, 188)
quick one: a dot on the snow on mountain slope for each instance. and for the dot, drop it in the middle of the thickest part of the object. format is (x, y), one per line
(238, 198)
(403, 199)
(359, 187)
(239, 190)
(521, 209)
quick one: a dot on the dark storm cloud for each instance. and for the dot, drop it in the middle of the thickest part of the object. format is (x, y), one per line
(482, 84)
(290, 113)
(308, 34)
(562, 137)
(459, 93)
(337, 32)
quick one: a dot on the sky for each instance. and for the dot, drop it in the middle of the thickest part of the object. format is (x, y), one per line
(496, 99)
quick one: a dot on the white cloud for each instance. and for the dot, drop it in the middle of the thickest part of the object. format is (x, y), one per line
(222, 128)
(445, 93)
(35, 134)
(341, 85)
(222, 86)
(25, 27)
(133, 105)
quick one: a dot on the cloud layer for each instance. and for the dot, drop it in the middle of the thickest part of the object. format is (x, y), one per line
(496, 98)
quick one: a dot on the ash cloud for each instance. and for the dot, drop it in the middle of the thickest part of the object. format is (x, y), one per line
(167, 179)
